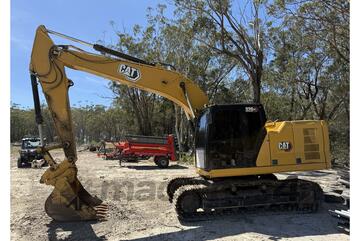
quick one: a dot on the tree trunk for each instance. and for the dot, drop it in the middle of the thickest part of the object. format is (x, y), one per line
(256, 82)
(178, 126)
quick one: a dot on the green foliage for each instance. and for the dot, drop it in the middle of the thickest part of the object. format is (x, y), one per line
(186, 158)
(91, 123)
(22, 123)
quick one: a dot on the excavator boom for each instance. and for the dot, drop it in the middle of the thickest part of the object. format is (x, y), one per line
(69, 200)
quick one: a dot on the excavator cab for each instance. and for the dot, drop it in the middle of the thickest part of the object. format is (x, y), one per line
(229, 136)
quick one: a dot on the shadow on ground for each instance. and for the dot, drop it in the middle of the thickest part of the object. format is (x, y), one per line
(66, 231)
(275, 226)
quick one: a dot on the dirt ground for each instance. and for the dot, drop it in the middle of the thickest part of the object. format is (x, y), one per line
(139, 209)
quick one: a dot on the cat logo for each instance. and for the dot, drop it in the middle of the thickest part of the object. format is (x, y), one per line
(130, 73)
(285, 146)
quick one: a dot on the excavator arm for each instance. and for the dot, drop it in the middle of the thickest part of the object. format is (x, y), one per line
(69, 200)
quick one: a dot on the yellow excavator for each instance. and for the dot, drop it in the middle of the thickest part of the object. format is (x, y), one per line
(237, 151)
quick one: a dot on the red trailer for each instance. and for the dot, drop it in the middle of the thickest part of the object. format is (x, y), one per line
(135, 147)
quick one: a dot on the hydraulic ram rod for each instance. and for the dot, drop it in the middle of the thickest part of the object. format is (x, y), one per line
(102, 49)
(38, 116)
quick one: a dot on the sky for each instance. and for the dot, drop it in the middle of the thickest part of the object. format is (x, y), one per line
(88, 20)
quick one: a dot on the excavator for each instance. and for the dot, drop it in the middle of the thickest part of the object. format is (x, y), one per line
(237, 150)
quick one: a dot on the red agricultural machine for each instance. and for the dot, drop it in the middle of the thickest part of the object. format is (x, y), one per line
(108, 150)
(135, 147)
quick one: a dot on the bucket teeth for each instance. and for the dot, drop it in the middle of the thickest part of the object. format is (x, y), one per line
(102, 205)
(102, 211)
(101, 208)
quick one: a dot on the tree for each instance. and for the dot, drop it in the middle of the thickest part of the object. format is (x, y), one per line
(231, 33)
(327, 20)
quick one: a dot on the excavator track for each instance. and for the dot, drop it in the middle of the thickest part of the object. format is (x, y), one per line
(201, 202)
(178, 182)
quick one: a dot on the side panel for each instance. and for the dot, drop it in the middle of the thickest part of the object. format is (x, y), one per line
(282, 151)
(309, 139)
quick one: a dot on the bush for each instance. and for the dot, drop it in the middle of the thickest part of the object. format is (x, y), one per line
(186, 158)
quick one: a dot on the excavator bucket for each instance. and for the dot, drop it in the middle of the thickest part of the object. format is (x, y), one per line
(69, 201)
